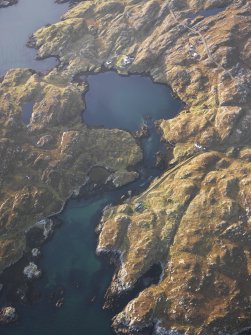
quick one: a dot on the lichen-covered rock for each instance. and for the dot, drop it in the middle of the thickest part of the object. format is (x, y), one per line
(35, 252)
(31, 271)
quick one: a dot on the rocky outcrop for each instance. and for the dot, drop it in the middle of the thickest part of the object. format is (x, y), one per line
(31, 271)
(7, 315)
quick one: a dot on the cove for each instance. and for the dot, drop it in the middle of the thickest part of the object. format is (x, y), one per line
(17, 23)
(69, 262)
(126, 102)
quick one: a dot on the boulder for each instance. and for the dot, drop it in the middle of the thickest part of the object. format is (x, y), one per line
(7, 315)
(32, 271)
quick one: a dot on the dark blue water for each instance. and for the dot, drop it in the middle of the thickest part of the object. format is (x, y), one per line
(26, 114)
(17, 23)
(126, 102)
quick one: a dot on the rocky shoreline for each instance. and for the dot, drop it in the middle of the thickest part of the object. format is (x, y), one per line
(195, 219)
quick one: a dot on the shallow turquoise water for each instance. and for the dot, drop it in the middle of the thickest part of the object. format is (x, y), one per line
(69, 260)
(69, 263)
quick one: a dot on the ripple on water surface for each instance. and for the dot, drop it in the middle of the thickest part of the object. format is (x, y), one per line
(17, 23)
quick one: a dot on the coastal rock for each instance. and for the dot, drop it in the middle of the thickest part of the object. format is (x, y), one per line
(35, 252)
(122, 178)
(46, 225)
(32, 271)
(143, 132)
(7, 315)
